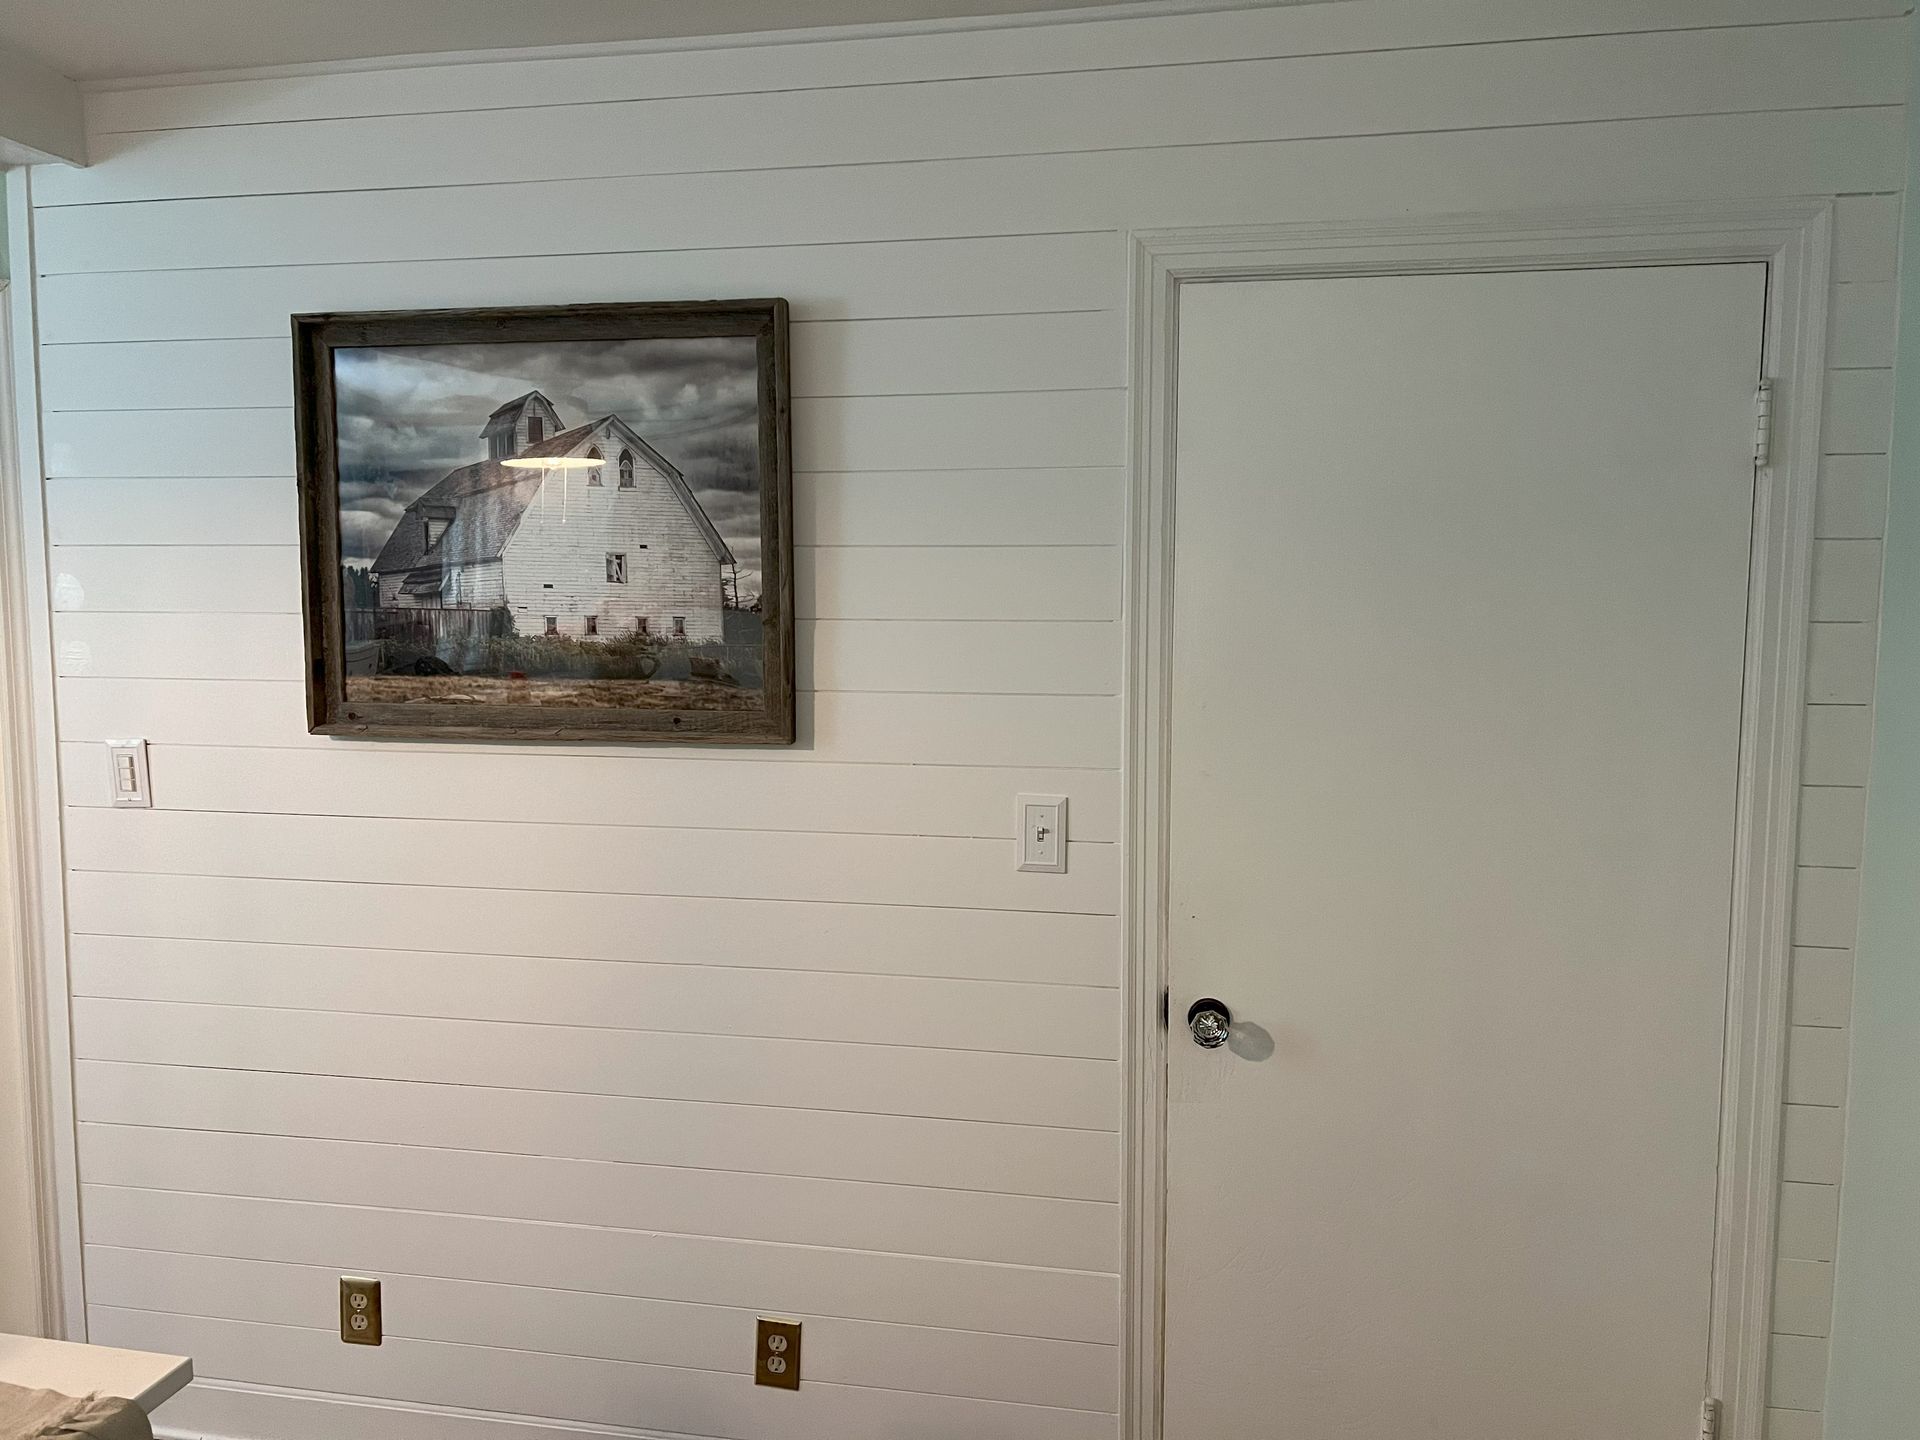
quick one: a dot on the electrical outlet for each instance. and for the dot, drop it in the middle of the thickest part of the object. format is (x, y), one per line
(776, 1353)
(359, 1310)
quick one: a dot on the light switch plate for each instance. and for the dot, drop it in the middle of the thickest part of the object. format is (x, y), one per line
(127, 786)
(1042, 821)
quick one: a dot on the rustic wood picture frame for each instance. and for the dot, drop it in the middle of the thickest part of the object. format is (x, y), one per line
(329, 710)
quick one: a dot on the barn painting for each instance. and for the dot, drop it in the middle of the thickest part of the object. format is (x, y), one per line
(587, 532)
(589, 524)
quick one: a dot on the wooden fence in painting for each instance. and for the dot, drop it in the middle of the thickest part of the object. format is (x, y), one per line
(380, 638)
(425, 627)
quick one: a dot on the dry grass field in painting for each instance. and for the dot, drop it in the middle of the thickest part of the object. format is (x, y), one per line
(589, 694)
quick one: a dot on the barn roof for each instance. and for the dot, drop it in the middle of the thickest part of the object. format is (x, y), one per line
(488, 499)
(519, 401)
(666, 467)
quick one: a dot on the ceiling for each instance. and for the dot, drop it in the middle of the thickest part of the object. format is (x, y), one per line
(122, 39)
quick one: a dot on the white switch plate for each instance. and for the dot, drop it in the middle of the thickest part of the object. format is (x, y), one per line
(1042, 821)
(127, 786)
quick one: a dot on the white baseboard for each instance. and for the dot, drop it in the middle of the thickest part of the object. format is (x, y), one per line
(230, 1410)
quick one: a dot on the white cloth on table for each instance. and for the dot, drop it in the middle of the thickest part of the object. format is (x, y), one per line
(48, 1415)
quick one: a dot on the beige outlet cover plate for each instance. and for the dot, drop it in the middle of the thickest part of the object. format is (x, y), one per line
(359, 1310)
(776, 1353)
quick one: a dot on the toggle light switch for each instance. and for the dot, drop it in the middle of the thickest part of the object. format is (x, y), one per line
(1043, 832)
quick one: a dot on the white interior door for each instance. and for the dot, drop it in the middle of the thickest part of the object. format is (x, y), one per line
(1460, 609)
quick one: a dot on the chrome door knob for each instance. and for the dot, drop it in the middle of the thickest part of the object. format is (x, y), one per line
(1210, 1022)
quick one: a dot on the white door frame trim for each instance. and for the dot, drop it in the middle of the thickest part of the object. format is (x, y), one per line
(33, 787)
(1793, 238)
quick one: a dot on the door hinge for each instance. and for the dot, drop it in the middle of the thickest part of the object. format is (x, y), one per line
(1166, 1001)
(1763, 423)
(1709, 1419)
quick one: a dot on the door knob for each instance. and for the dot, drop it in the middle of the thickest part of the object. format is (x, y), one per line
(1209, 1020)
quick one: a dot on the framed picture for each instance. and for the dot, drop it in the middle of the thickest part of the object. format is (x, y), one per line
(548, 524)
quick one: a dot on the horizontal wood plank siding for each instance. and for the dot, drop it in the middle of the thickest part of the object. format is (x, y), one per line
(838, 1351)
(1014, 583)
(1067, 949)
(1231, 101)
(584, 1390)
(1055, 350)
(956, 656)
(1040, 731)
(1852, 149)
(928, 508)
(707, 68)
(676, 1064)
(803, 868)
(860, 280)
(746, 1139)
(538, 785)
(857, 1284)
(1010, 1017)
(596, 1054)
(1011, 431)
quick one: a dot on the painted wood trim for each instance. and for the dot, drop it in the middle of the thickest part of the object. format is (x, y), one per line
(1236, 98)
(42, 114)
(1672, 161)
(976, 48)
(672, 44)
(1767, 817)
(241, 1408)
(19, 1070)
(1794, 239)
(33, 795)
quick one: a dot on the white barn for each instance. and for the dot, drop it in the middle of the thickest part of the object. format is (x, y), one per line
(618, 549)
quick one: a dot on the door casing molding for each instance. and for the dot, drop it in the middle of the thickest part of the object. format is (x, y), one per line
(1793, 238)
(32, 790)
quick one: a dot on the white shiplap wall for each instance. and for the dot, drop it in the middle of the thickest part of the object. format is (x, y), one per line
(595, 1054)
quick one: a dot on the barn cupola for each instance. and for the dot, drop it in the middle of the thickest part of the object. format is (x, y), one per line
(519, 423)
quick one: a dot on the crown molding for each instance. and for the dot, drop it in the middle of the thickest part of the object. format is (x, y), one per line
(668, 44)
(40, 114)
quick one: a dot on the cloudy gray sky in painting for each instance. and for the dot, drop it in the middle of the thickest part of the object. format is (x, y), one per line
(408, 414)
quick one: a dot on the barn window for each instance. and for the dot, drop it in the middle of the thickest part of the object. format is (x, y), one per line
(438, 519)
(680, 626)
(536, 430)
(553, 624)
(616, 567)
(593, 475)
(626, 469)
(639, 624)
(593, 624)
